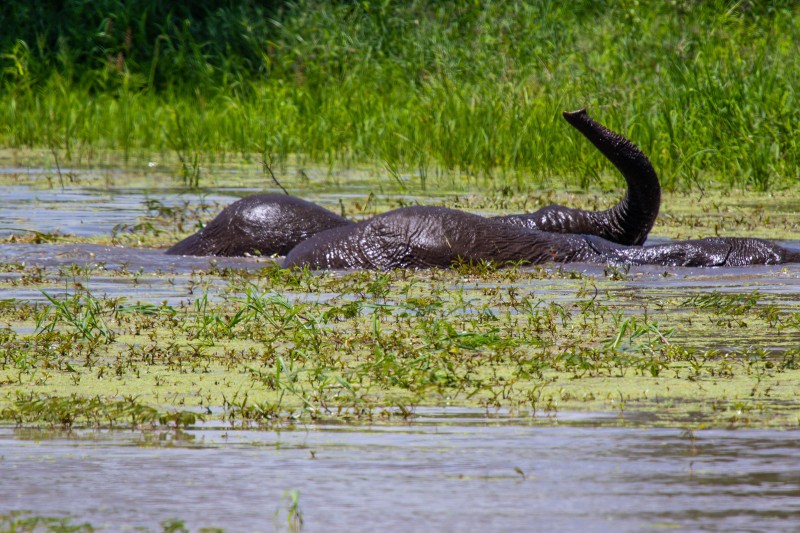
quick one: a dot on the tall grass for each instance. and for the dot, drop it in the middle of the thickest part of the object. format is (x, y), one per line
(706, 89)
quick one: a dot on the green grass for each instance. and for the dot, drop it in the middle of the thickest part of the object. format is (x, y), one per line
(273, 347)
(30, 522)
(27, 521)
(424, 89)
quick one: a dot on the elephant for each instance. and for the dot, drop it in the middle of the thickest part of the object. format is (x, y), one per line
(428, 237)
(273, 224)
(263, 224)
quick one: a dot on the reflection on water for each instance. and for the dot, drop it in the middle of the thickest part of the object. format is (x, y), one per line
(74, 210)
(441, 473)
(171, 288)
(116, 257)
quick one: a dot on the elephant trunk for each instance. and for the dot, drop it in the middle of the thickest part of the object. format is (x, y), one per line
(633, 217)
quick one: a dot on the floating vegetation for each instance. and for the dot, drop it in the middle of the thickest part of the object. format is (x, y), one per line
(276, 346)
(66, 412)
(24, 521)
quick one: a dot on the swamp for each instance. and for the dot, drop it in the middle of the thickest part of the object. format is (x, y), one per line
(148, 392)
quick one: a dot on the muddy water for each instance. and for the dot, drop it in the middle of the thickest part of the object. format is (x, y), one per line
(85, 211)
(88, 211)
(447, 471)
(778, 279)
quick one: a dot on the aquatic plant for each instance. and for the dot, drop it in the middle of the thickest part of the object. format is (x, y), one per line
(294, 515)
(275, 347)
(65, 412)
(23, 521)
(81, 311)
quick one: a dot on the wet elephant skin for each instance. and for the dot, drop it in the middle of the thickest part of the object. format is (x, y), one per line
(425, 237)
(628, 222)
(272, 224)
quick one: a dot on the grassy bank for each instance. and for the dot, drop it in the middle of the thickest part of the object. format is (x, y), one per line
(706, 89)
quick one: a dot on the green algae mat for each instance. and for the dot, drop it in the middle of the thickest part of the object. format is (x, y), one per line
(265, 346)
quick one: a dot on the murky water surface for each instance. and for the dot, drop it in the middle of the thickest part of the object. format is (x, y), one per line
(446, 471)
(155, 287)
(451, 470)
(85, 211)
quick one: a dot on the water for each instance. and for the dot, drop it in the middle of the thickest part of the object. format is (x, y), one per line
(84, 211)
(448, 471)
(88, 211)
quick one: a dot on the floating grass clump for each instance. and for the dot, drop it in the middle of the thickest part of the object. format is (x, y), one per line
(28, 521)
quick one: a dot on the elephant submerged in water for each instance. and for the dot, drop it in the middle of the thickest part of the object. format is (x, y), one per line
(426, 237)
(263, 224)
(273, 224)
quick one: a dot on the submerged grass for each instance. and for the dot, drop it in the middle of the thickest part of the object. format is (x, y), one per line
(424, 89)
(27, 521)
(30, 522)
(276, 346)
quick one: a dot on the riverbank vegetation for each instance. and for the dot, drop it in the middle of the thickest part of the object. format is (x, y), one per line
(707, 89)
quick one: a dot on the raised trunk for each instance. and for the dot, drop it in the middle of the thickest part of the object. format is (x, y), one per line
(628, 222)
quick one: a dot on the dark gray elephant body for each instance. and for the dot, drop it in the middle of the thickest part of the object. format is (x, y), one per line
(425, 237)
(708, 252)
(272, 224)
(264, 224)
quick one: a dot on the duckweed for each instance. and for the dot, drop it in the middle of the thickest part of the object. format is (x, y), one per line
(276, 346)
